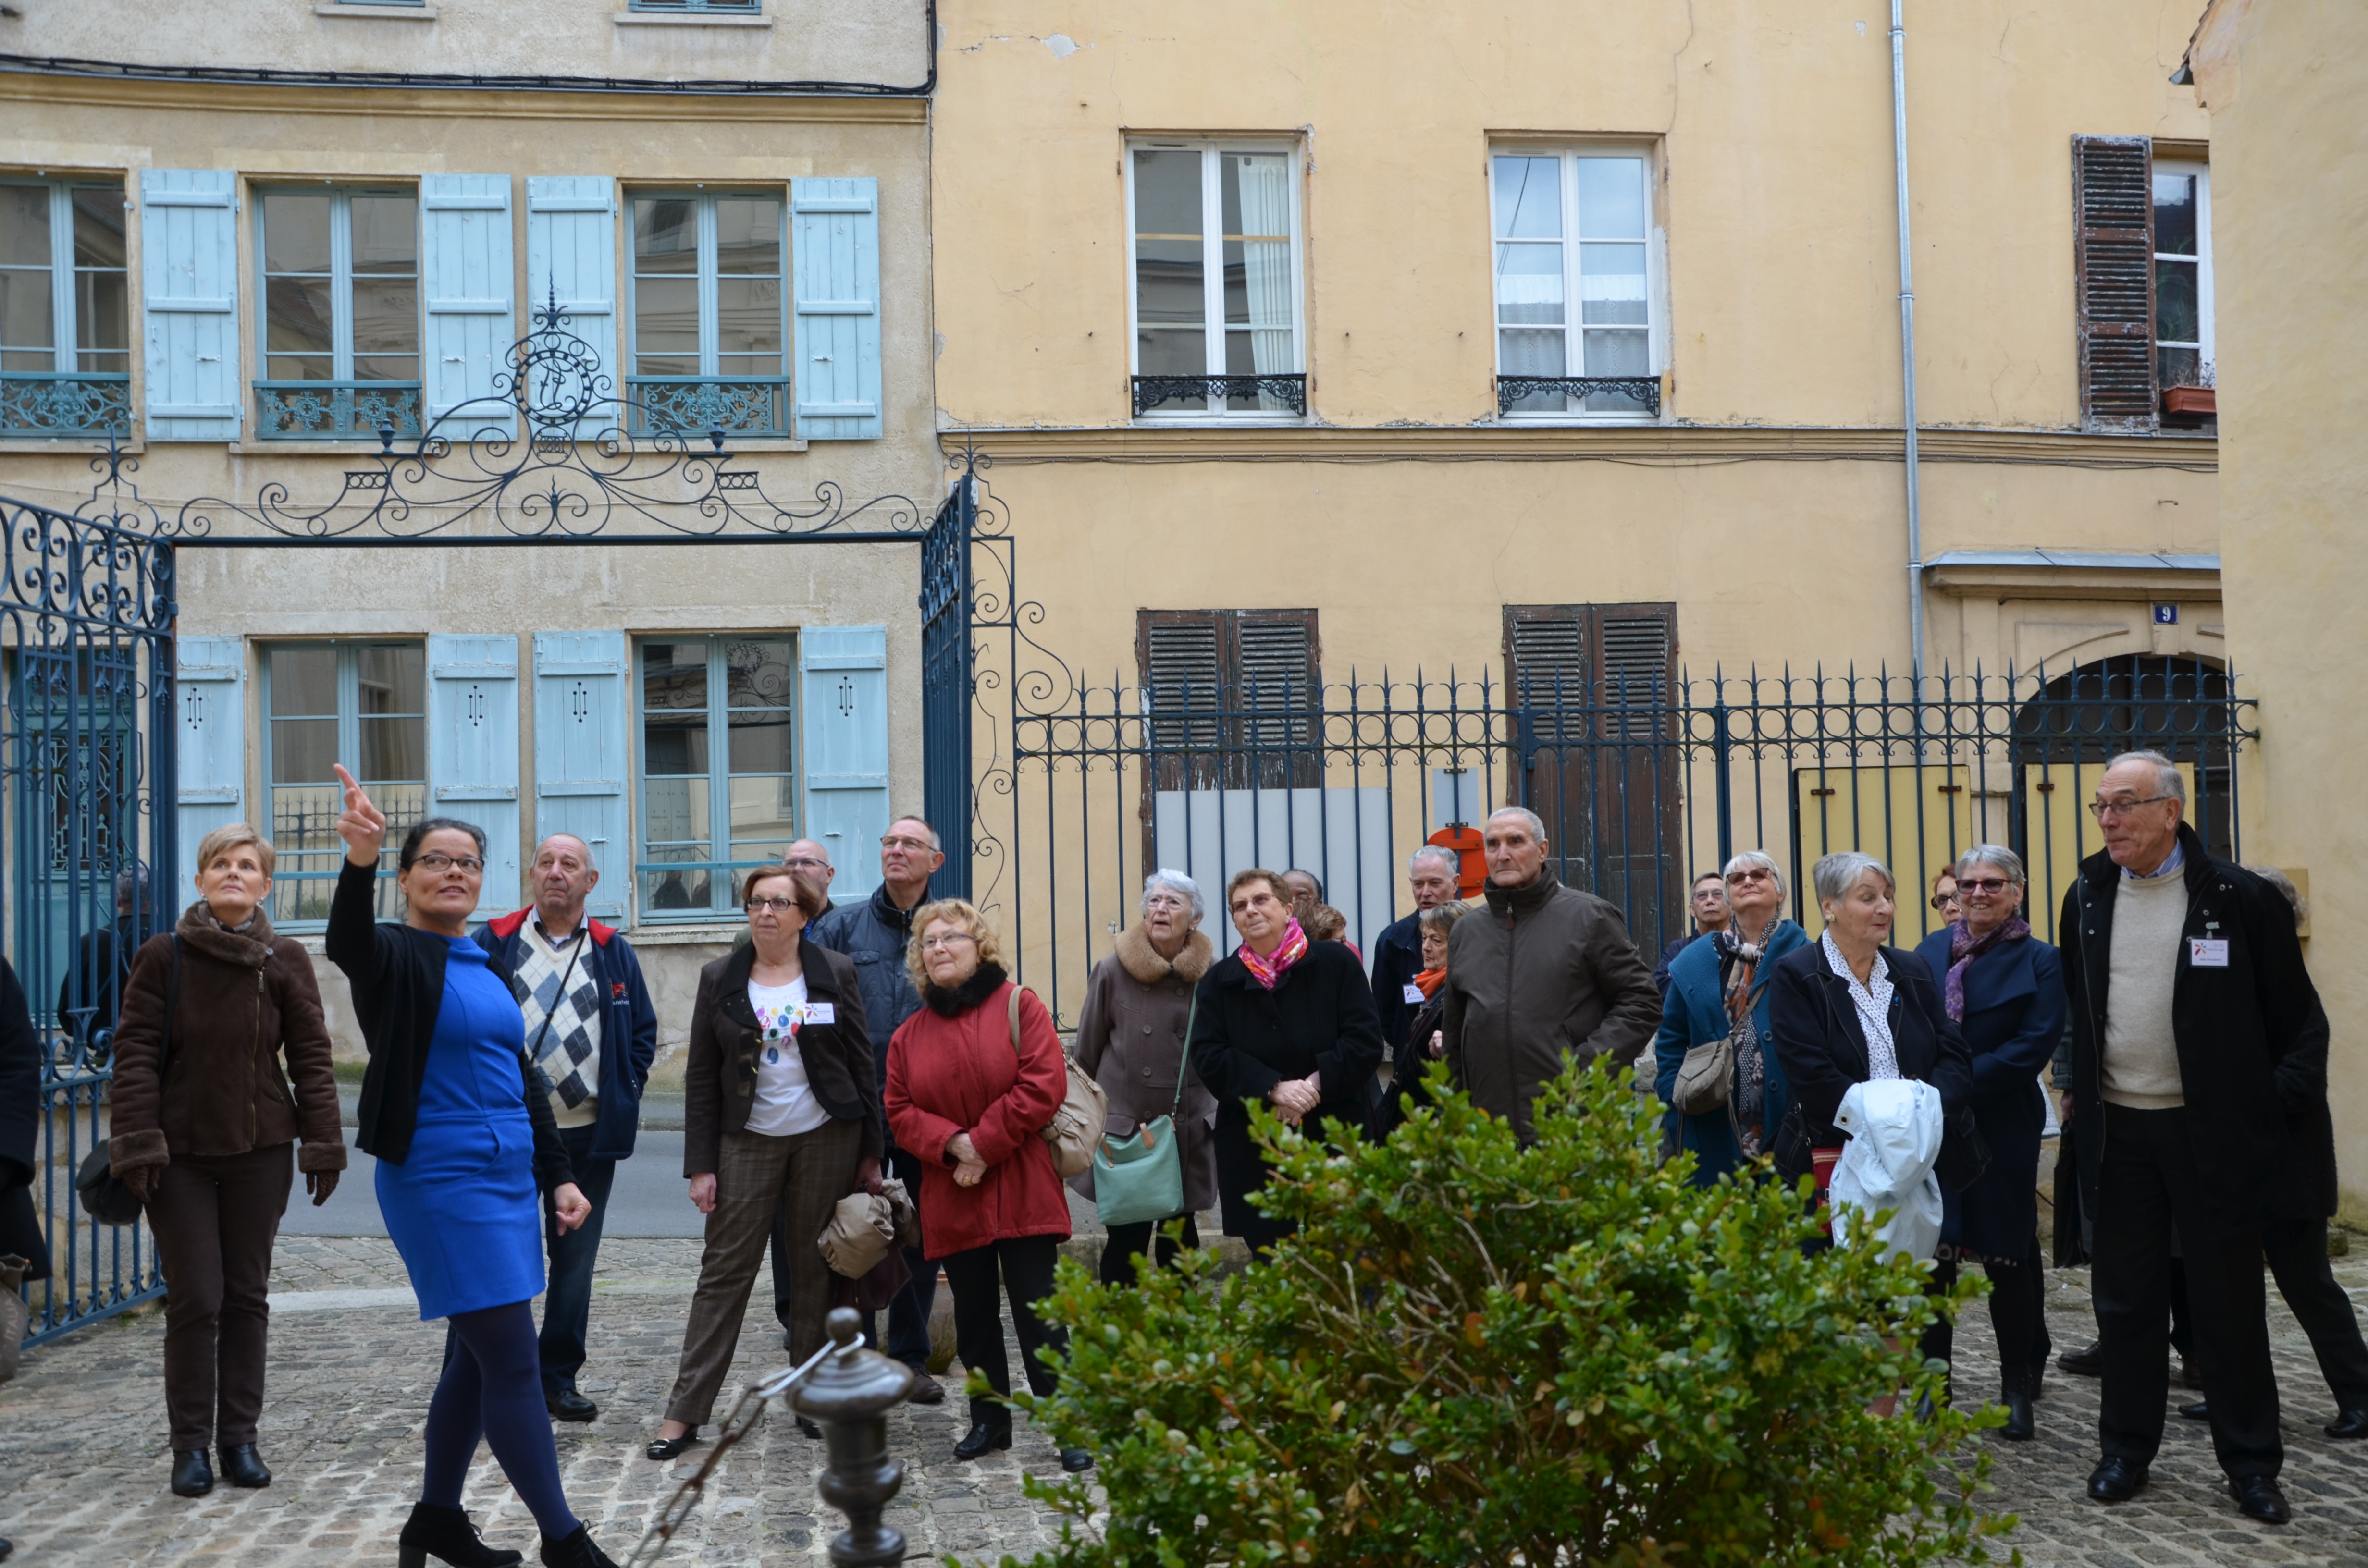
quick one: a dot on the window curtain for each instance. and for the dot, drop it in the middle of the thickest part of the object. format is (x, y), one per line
(1265, 189)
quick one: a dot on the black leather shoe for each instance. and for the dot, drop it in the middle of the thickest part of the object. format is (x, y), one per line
(808, 1429)
(983, 1435)
(2116, 1480)
(193, 1475)
(2018, 1427)
(927, 1390)
(569, 1406)
(664, 1448)
(241, 1466)
(2258, 1497)
(8, 1547)
(577, 1550)
(2200, 1410)
(447, 1535)
(1076, 1460)
(2085, 1363)
(2352, 1424)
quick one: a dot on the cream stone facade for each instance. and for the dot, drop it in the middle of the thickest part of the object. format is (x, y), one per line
(2282, 81)
(647, 123)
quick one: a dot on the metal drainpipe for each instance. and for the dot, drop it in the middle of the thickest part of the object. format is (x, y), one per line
(1907, 352)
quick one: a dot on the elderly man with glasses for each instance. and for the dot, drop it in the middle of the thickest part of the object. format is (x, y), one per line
(2199, 1047)
(1710, 912)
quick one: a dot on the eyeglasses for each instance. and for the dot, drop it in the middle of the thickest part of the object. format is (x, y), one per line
(1989, 887)
(807, 863)
(2099, 808)
(1943, 900)
(1165, 901)
(1751, 874)
(944, 940)
(768, 900)
(917, 845)
(438, 863)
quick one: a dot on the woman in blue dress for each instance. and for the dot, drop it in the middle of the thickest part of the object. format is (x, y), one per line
(466, 1153)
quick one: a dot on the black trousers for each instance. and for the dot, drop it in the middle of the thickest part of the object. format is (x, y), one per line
(1128, 1243)
(2298, 1257)
(1025, 1266)
(2019, 1316)
(2149, 1182)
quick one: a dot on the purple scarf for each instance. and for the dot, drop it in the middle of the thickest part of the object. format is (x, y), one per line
(1963, 949)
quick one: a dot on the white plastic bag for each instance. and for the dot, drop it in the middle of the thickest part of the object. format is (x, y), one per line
(1895, 1138)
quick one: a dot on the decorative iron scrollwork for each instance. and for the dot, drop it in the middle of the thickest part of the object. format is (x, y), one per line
(1644, 390)
(737, 405)
(331, 411)
(48, 404)
(1217, 393)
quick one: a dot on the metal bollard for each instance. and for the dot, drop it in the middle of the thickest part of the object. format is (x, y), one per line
(850, 1395)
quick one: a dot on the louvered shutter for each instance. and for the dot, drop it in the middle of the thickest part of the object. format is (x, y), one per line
(1276, 671)
(210, 691)
(2113, 198)
(1637, 643)
(465, 280)
(1549, 653)
(834, 263)
(579, 755)
(571, 261)
(188, 275)
(473, 751)
(844, 688)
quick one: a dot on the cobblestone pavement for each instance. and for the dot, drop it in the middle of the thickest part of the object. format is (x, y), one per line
(83, 1453)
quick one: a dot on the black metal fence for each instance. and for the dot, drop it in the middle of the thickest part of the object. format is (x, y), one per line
(1639, 790)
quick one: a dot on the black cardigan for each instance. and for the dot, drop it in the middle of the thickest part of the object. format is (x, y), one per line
(397, 975)
(1318, 1018)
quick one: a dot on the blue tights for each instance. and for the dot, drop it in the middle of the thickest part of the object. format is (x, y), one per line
(492, 1388)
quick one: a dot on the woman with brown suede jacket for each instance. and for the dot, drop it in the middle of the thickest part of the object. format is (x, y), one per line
(202, 1128)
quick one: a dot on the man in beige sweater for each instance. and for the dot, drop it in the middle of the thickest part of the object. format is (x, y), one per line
(2199, 1053)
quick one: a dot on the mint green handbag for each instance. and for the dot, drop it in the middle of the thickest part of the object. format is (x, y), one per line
(1141, 1177)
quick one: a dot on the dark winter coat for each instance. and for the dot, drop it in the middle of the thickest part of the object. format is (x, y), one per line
(245, 999)
(1397, 959)
(876, 935)
(21, 1100)
(1130, 1037)
(1695, 1014)
(719, 1070)
(628, 1024)
(1544, 976)
(2251, 1038)
(2014, 1017)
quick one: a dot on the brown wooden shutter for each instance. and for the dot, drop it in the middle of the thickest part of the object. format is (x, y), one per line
(1234, 697)
(2113, 201)
(1639, 645)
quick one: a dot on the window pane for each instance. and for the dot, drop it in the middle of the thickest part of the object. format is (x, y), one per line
(1611, 199)
(1169, 262)
(759, 672)
(677, 816)
(101, 312)
(1617, 353)
(1530, 352)
(298, 316)
(2179, 367)
(1529, 198)
(386, 315)
(1529, 284)
(1255, 190)
(303, 680)
(748, 236)
(24, 225)
(98, 226)
(25, 315)
(393, 678)
(1612, 285)
(295, 231)
(2175, 316)
(762, 743)
(666, 235)
(393, 748)
(747, 315)
(665, 322)
(1171, 351)
(674, 704)
(304, 751)
(385, 236)
(762, 810)
(2174, 214)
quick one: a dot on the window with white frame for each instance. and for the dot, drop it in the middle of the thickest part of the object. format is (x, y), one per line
(2182, 274)
(362, 704)
(1213, 246)
(718, 767)
(708, 314)
(341, 322)
(65, 355)
(1574, 282)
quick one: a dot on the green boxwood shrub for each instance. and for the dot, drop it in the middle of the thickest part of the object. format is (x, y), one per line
(1477, 1353)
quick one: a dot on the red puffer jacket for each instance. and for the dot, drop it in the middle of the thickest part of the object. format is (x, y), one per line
(959, 1073)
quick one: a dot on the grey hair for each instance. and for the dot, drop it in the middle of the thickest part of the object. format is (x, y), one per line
(1441, 853)
(1537, 824)
(1442, 918)
(1838, 872)
(1163, 877)
(923, 824)
(1997, 854)
(2284, 884)
(585, 844)
(2168, 784)
(1760, 859)
(131, 885)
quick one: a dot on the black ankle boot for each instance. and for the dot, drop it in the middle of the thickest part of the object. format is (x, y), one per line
(986, 1433)
(193, 1473)
(2018, 1427)
(447, 1535)
(576, 1550)
(241, 1466)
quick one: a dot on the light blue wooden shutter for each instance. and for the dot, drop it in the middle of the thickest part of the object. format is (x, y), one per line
(835, 256)
(579, 755)
(473, 752)
(189, 283)
(844, 685)
(571, 257)
(210, 673)
(465, 278)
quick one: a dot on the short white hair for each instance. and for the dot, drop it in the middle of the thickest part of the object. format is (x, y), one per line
(1177, 881)
(2009, 863)
(1755, 859)
(1837, 873)
(1537, 824)
(1441, 853)
(2168, 784)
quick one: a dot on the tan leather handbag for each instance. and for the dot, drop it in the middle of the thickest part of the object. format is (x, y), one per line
(1076, 1130)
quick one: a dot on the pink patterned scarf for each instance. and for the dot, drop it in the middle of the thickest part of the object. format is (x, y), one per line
(1267, 971)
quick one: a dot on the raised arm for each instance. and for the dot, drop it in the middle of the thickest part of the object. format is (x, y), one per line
(353, 941)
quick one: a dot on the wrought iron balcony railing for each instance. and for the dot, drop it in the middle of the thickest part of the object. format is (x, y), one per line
(74, 403)
(1221, 394)
(334, 410)
(693, 405)
(1578, 394)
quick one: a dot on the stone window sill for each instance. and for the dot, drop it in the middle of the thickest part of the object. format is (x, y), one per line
(367, 12)
(687, 20)
(69, 446)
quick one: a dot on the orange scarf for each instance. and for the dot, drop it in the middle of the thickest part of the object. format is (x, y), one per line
(1430, 980)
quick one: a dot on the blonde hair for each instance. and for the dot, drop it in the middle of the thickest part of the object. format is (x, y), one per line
(959, 912)
(228, 837)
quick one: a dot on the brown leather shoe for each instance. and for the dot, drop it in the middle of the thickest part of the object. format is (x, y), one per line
(927, 1390)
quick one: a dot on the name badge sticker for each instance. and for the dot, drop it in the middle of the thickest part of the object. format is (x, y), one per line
(826, 1013)
(2207, 952)
(1414, 998)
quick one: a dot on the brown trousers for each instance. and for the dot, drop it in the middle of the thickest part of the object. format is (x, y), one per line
(216, 1219)
(804, 1175)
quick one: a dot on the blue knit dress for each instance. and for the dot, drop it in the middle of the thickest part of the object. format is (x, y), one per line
(462, 1206)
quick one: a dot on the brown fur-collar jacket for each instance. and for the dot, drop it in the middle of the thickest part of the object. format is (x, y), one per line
(245, 999)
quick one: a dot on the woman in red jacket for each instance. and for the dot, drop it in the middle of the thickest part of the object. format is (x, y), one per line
(973, 1079)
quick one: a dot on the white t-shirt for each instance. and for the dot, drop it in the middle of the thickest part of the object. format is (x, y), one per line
(785, 1103)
